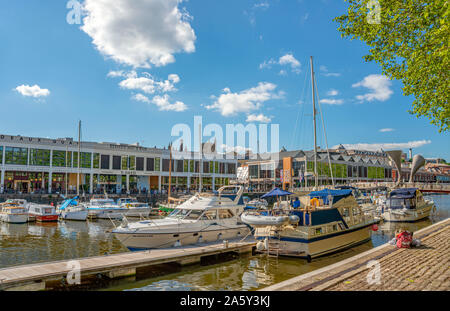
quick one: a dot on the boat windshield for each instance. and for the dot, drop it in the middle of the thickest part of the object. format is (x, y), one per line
(394, 203)
(183, 213)
(102, 202)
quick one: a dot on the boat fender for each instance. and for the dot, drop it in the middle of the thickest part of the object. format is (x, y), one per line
(266, 243)
(260, 246)
(294, 219)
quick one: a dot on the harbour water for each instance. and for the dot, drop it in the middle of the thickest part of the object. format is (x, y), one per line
(33, 243)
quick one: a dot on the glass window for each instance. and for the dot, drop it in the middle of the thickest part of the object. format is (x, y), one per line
(116, 163)
(179, 166)
(139, 164)
(185, 165)
(157, 164)
(194, 214)
(18, 156)
(85, 159)
(132, 163)
(59, 158)
(150, 164)
(96, 163)
(318, 231)
(40, 157)
(209, 215)
(104, 162)
(124, 165)
(225, 213)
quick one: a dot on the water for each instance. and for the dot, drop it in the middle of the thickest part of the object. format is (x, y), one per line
(32, 243)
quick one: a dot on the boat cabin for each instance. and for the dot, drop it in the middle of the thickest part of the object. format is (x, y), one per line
(405, 198)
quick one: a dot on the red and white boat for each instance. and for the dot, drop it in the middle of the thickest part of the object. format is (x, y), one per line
(43, 213)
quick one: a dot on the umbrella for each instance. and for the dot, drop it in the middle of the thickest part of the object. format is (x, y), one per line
(275, 193)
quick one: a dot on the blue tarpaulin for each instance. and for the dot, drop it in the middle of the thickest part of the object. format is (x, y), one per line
(326, 193)
(68, 202)
(276, 192)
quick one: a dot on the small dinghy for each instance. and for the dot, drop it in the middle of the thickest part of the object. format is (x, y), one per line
(263, 219)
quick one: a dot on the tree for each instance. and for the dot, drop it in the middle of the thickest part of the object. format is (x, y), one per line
(409, 39)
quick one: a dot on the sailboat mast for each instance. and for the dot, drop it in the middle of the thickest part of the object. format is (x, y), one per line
(79, 150)
(314, 121)
(170, 174)
(200, 167)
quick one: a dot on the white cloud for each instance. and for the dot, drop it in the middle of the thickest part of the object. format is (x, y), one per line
(325, 72)
(386, 146)
(378, 85)
(285, 60)
(32, 91)
(164, 104)
(229, 103)
(237, 149)
(258, 118)
(141, 98)
(147, 84)
(332, 92)
(139, 33)
(386, 130)
(327, 101)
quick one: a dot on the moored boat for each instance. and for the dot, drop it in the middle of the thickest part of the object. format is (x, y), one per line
(13, 213)
(406, 205)
(71, 209)
(43, 213)
(205, 217)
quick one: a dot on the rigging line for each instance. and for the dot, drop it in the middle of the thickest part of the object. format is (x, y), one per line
(294, 136)
(324, 133)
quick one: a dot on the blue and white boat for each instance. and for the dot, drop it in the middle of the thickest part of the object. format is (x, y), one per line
(71, 209)
(328, 221)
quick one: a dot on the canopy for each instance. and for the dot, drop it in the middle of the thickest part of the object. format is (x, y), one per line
(403, 193)
(68, 202)
(276, 192)
(326, 193)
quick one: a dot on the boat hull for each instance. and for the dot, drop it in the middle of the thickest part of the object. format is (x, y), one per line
(289, 245)
(77, 215)
(46, 218)
(14, 218)
(143, 241)
(408, 215)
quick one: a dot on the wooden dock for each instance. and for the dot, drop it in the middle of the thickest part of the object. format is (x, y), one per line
(426, 267)
(40, 276)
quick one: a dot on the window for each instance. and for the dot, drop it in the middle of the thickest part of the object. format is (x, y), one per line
(253, 171)
(225, 213)
(355, 211)
(231, 168)
(166, 163)
(15, 155)
(59, 158)
(150, 164)
(209, 215)
(318, 231)
(124, 165)
(345, 212)
(116, 162)
(185, 165)
(157, 164)
(85, 159)
(206, 167)
(179, 166)
(335, 227)
(139, 164)
(194, 214)
(96, 162)
(104, 162)
(132, 163)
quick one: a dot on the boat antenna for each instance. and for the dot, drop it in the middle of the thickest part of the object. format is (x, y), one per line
(325, 135)
(314, 121)
(67, 147)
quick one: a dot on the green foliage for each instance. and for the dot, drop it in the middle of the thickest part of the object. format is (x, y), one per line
(411, 45)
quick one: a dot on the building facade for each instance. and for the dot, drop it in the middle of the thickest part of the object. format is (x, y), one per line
(295, 169)
(30, 164)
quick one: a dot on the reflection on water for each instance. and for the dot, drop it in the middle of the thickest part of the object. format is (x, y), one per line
(30, 243)
(36, 242)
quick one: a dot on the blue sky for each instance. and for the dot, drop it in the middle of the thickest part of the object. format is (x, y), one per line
(131, 77)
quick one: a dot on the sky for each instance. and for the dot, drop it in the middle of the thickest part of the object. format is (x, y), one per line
(131, 70)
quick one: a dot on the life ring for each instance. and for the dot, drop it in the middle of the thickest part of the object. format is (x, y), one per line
(314, 202)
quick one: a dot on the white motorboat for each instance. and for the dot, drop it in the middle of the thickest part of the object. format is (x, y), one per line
(134, 208)
(205, 217)
(406, 205)
(13, 213)
(105, 209)
(70, 209)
